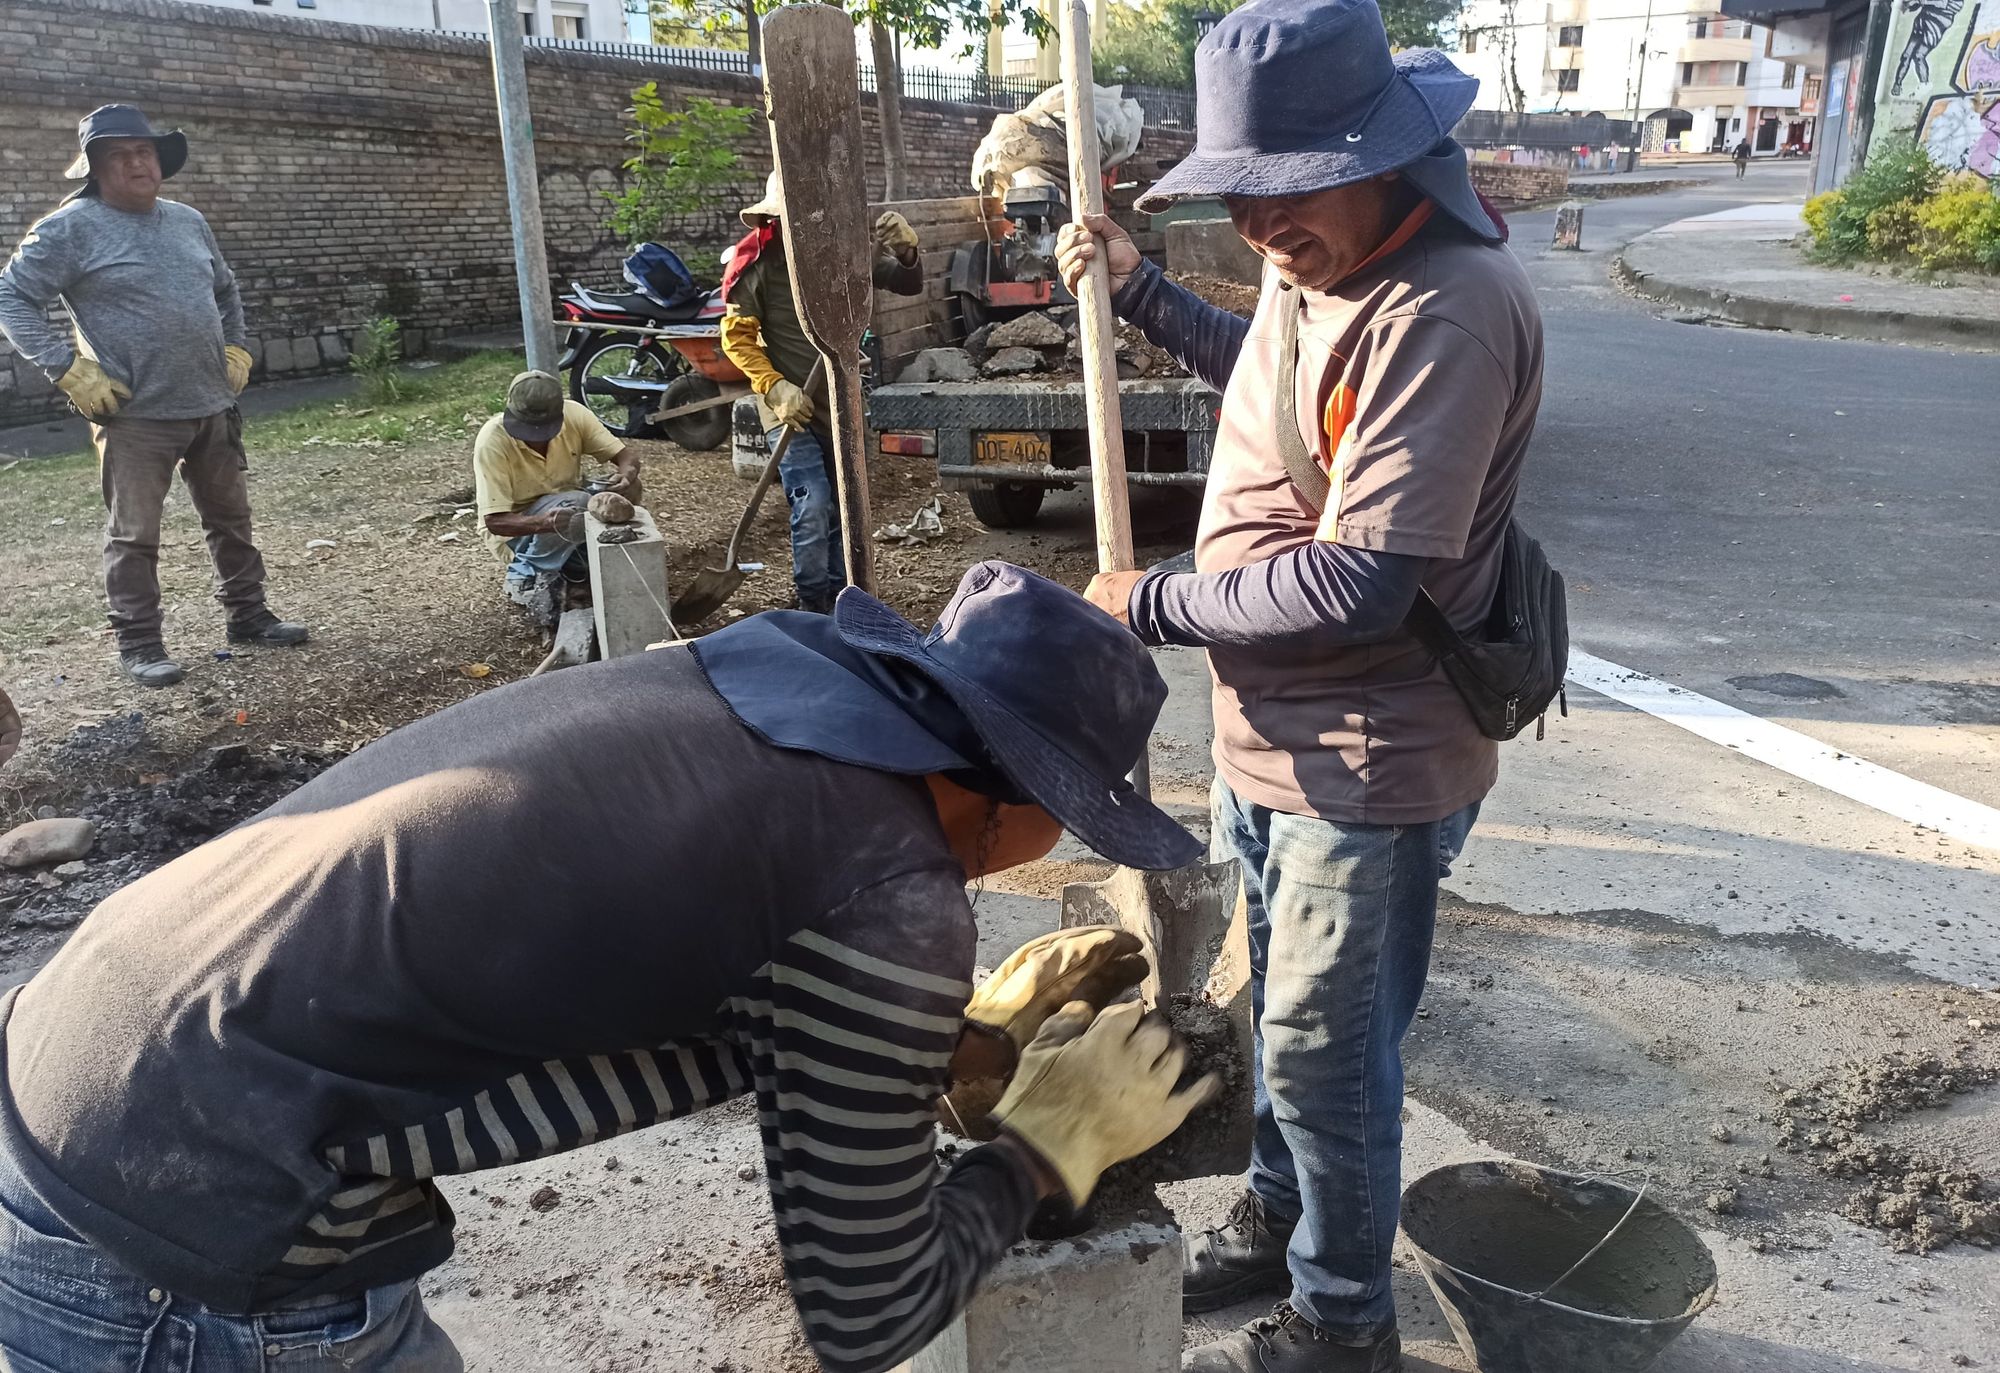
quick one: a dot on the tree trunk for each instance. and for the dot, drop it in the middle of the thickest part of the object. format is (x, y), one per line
(753, 34)
(889, 113)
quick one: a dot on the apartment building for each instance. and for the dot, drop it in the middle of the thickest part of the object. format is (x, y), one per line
(1701, 82)
(602, 21)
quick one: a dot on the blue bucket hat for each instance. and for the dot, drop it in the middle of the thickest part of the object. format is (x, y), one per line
(1020, 677)
(1294, 98)
(125, 121)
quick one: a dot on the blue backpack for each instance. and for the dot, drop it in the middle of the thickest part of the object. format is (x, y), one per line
(656, 270)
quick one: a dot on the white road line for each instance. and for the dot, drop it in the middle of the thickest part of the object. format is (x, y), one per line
(1790, 751)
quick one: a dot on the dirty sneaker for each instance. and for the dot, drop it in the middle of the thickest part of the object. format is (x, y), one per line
(1286, 1342)
(1242, 1256)
(268, 630)
(150, 666)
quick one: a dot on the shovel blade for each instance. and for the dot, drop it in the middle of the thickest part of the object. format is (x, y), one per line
(1193, 926)
(707, 593)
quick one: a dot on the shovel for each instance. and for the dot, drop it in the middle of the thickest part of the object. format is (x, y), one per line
(1183, 917)
(713, 586)
(815, 111)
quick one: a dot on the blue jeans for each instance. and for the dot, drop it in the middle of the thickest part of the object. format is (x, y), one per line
(819, 564)
(65, 1307)
(1340, 923)
(535, 553)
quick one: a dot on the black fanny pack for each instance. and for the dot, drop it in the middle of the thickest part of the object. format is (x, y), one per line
(1513, 670)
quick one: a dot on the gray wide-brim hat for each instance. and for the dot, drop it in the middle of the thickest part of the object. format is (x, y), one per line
(125, 121)
(1294, 98)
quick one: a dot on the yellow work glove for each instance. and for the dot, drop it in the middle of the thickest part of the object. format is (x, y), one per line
(1093, 964)
(1091, 1092)
(790, 403)
(743, 344)
(236, 361)
(94, 394)
(893, 234)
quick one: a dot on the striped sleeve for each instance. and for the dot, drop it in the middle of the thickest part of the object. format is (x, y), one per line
(848, 1033)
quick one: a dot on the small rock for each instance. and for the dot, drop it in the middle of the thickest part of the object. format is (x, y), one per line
(977, 342)
(612, 1165)
(1961, 1361)
(1034, 330)
(46, 841)
(1977, 1024)
(226, 756)
(748, 1172)
(545, 1199)
(1721, 1202)
(76, 867)
(311, 544)
(473, 1291)
(1721, 1133)
(1132, 365)
(1012, 362)
(611, 508)
(941, 364)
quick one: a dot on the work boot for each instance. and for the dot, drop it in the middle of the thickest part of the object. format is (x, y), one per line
(1242, 1256)
(150, 666)
(267, 631)
(1286, 1342)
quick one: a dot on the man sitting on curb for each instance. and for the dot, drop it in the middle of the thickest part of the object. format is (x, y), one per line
(155, 364)
(527, 468)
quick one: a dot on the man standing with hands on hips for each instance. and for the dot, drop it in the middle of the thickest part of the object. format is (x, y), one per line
(156, 363)
(1397, 349)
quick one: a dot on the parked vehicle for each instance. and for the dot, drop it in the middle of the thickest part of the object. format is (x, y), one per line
(656, 347)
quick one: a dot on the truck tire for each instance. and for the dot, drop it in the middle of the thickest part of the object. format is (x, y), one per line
(704, 429)
(1009, 505)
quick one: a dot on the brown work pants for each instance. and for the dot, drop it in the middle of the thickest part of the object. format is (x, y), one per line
(136, 459)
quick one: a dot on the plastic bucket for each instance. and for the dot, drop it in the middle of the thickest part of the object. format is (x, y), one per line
(1492, 1238)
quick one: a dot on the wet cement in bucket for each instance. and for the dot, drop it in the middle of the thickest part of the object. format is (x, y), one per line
(1490, 1235)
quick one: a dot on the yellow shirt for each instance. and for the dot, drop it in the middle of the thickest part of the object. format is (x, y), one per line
(508, 476)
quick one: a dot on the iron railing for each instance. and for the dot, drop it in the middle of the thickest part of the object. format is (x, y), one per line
(1165, 108)
(1501, 129)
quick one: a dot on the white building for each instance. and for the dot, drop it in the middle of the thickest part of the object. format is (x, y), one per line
(601, 21)
(1701, 82)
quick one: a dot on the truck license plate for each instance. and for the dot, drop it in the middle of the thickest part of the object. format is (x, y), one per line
(1010, 449)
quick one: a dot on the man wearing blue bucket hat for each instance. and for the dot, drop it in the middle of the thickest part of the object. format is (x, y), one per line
(1376, 414)
(299, 1034)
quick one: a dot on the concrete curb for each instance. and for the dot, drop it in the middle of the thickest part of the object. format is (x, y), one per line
(1759, 312)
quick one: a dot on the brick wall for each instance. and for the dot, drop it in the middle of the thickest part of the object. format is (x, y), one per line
(352, 171)
(1504, 181)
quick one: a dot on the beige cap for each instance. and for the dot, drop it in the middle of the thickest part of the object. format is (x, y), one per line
(754, 216)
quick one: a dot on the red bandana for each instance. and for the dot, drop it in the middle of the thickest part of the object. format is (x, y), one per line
(747, 250)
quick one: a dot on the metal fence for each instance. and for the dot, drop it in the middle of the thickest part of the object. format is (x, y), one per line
(1169, 109)
(1500, 129)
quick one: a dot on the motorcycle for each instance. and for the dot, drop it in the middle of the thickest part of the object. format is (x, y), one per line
(656, 347)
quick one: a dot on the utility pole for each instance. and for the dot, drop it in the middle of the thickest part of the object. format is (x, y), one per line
(1638, 87)
(524, 189)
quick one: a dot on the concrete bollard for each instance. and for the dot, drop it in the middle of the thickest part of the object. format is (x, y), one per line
(1107, 1300)
(628, 584)
(1569, 226)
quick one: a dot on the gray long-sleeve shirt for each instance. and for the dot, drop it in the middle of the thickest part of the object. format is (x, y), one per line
(150, 294)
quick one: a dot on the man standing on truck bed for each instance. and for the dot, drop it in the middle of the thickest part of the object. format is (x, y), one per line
(762, 335)
(155, 364)
(1397, 345)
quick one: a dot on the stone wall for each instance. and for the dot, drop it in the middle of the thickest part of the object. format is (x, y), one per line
(352, 171)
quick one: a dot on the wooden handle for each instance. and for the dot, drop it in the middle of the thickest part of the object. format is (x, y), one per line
(851, 470)
(1096, 329)
(770, 472)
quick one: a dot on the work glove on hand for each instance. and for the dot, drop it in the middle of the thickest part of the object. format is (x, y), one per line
(1091, 1092)
(236, 361)
(790, 403)
(1092, 964)
(893, 234)
(94, 394)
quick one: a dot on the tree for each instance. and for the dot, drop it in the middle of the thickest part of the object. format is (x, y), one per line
(683, 160)
(1152, 42)
(1503, 37)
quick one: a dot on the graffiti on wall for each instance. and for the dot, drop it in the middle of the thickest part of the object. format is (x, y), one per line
(1945, 81)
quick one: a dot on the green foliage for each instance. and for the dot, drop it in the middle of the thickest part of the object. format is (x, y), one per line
(686, 158)
(1892, 228)
(1862, 221)
(1959, 226)
(378, 352)
(1152, 42)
